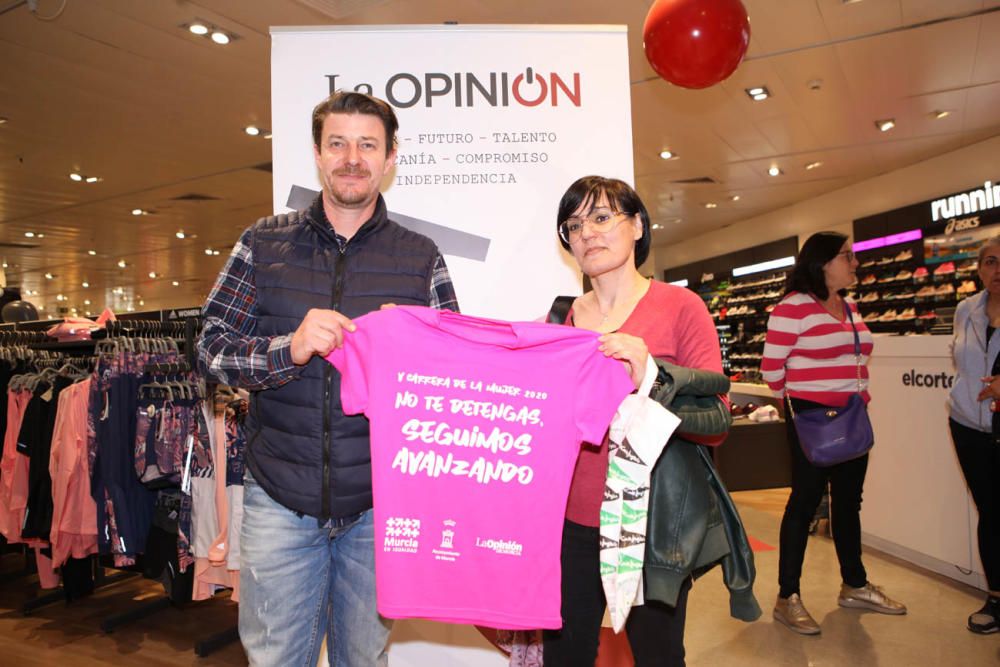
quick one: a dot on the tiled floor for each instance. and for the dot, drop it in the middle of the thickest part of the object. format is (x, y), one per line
(932, 633)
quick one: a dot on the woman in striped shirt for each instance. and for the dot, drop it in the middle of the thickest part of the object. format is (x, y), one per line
(809, 361)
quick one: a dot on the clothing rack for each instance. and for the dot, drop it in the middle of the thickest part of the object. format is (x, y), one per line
(182, 325)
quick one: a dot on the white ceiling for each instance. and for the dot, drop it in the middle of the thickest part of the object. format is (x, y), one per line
(117, 89)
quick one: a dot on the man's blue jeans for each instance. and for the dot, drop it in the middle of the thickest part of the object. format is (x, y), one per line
(301, 582)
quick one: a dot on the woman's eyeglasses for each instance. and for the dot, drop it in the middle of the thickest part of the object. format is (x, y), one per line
(601, 220)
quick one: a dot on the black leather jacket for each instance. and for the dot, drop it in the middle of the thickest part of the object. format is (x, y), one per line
(693, 524)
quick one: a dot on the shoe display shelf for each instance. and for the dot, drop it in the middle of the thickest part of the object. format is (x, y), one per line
(896, 293)
(744, 308)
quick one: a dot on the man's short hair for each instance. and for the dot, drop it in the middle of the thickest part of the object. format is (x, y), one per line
(351, 103)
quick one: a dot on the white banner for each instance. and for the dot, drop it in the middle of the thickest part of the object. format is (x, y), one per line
(495, 123)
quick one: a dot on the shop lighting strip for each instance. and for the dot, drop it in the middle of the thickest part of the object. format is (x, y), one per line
(892, 239)
(763, 266)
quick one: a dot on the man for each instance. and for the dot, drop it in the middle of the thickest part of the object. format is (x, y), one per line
(283, 301)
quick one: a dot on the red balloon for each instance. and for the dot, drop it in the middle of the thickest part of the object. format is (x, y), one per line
(696, 43)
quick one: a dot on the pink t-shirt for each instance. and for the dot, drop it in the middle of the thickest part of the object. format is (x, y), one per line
(475, 429)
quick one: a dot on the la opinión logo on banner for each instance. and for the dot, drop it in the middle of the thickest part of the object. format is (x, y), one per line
(529, 88)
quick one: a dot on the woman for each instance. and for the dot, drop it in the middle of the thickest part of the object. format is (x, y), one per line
(809, 359)
(604, 224)
(975, 420)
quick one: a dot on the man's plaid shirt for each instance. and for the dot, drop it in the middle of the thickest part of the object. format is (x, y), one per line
(231, 352)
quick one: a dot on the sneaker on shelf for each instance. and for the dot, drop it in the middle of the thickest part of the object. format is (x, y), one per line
(903, 256)
(868, 298)
(968, 266)
(770, 308)
(920, 272)
(884, 260)
(889, 316)
(907, 314)
(929, 315)
(945, 290)
(905, 294)
(929, 290)
(904, 275)
(966, 287)
(870, 262)
(886, 279)
(868, 280)
(947, 267)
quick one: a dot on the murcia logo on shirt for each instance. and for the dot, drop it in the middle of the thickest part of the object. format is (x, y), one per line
(447, 549)
(502, 547)
(401, 535)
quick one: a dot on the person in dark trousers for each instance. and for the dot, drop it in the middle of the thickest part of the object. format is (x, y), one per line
(975, 420)
(283, 301)
(809, 360)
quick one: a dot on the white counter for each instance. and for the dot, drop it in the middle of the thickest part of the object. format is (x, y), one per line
(916, 504)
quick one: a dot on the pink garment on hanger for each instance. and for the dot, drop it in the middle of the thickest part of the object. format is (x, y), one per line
(74, 512)
(14, 488)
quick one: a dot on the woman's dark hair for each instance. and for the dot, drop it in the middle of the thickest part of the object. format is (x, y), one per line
(807, 275)
(621, 198)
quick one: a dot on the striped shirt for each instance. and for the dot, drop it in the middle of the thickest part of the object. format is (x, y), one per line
(809, 353)
(230, 350)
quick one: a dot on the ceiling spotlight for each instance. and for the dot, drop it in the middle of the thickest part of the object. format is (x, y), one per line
(91, 252)
(774, 171)
(657, 226)
(49, 276)
(179, 233)
(39, 236)
(30, 235)
(4, 265)
(84, 284)
(734, 198)
(75, 177)
(813, 165)
(208, 251)
(92, 179)
(267, 135)
(885, 125)
(220, 37)
(252, 130)
(141, 302)
(215, 252)
(122, 264)
(3, 119)
(198, 28)
(174, 283)
(86, 302)
(152, 274)
(710, 204)
(60, 297)
(938, 115)
(668, 155)
(137, 211)
(758, 93)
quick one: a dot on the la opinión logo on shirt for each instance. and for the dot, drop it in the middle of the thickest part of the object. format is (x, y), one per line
(503, 547)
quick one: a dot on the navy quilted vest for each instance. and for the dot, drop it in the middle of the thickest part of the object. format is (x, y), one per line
(302, 449)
